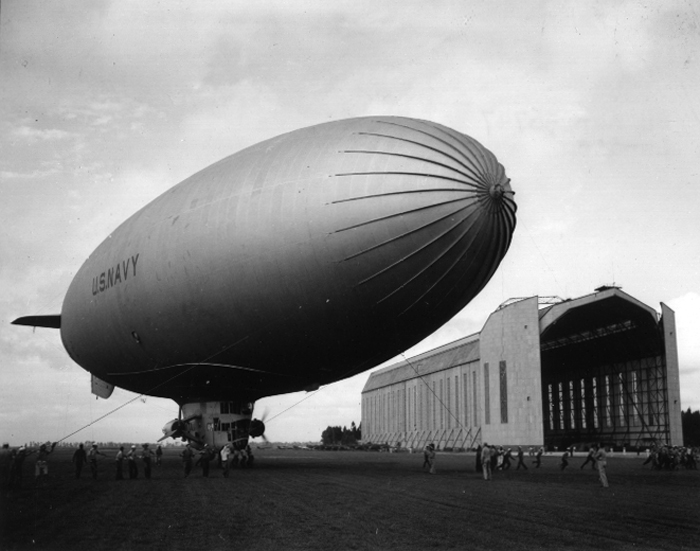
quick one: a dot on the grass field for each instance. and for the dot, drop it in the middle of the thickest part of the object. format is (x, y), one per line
(302, 499)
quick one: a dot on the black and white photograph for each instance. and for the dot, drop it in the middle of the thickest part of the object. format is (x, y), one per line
(352, 275)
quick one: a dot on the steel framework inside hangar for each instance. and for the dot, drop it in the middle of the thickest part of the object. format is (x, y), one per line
(599, 368)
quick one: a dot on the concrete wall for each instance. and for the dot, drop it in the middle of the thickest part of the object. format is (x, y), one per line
(672, 376)
(434, 408)
(512, 335)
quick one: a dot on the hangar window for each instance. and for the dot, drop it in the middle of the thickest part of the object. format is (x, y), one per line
(635, 396)
(550, 395)
(504, 391)
(466, 399)
(594, 392)
(561, 406)
(442, 406)
(584, 422)
(449, 405)
(621, 401)
(487, 401)
(572, 407)
(607, 412)
(414, 407)
(457, 399)
(475, 419)
(420, 408)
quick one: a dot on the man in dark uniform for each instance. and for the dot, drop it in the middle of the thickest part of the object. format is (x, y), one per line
(520, 459)
(41, 467)
(16, 467)
(187, 455)
(564, 460)
(79, 459)
(590, 458)
(538, 458)
(147, 456)
(507, 456)
(204, 459)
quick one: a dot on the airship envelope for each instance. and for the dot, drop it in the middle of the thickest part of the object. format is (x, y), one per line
(299, 261)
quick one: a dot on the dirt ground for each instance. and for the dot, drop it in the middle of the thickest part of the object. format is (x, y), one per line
(304, 499)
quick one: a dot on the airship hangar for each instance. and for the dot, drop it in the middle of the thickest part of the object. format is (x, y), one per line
(543, 371)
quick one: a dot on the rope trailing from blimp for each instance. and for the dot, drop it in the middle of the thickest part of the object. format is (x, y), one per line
(122, 406)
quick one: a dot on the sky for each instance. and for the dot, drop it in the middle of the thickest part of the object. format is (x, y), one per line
(591, 106)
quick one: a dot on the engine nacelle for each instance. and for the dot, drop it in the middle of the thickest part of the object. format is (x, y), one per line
(257, 428)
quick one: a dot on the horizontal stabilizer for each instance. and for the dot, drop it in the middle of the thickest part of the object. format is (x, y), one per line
(40, 321)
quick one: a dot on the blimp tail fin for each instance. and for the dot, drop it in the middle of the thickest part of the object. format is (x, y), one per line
(40, 321)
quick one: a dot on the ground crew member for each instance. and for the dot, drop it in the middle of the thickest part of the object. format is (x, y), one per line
(520, 459)
(5, 463)
(41, 468)
(225, 454)
(601, 461)
(431, 458)
(538, 458)
(426, 456)
(564, 461)
(79, 459)
(204, 459)
(16, 467)
(186, 455)
(590, 458)
(120, 463)
(147, 456)
(92, 457)
(506, 459)
(486, 461)
(249, 453)
(133, 467)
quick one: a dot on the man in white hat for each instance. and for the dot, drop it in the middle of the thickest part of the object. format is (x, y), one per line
(133, 467)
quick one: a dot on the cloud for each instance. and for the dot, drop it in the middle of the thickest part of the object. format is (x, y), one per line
(32, 135)
(31, 175)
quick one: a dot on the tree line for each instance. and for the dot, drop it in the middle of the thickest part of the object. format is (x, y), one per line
(334, 436)
(690, 421)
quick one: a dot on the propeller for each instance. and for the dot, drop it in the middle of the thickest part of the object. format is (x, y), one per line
(177, 428)
(256, 429)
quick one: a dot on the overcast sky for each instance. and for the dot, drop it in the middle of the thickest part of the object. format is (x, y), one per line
(592, 107)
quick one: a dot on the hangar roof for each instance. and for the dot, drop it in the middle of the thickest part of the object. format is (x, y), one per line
(456, 353)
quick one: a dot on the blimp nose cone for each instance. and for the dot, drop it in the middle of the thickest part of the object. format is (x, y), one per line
(496, 191)
(428, 223)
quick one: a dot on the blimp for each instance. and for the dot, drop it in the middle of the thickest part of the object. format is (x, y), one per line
(297, 262)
